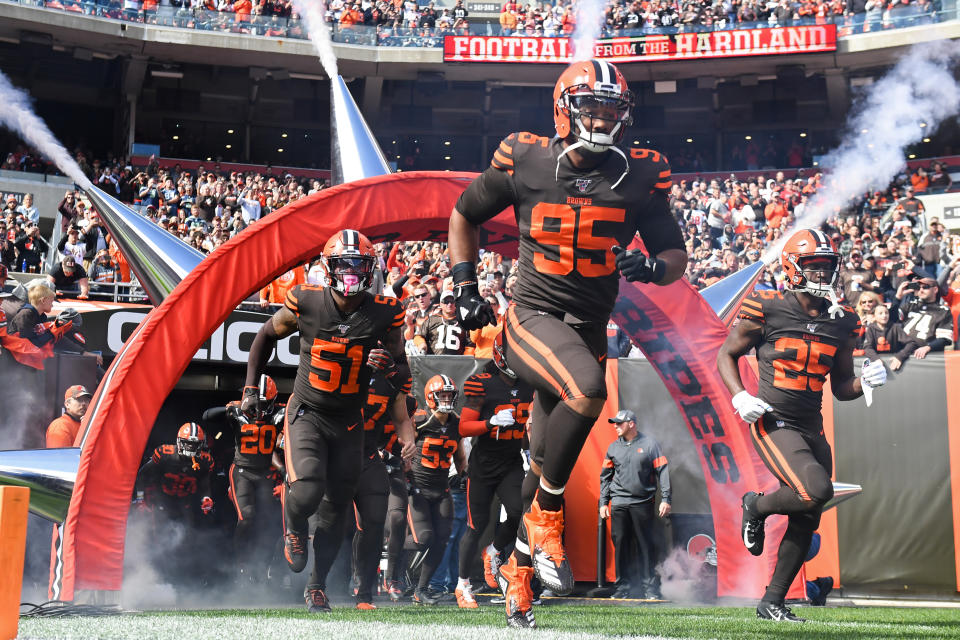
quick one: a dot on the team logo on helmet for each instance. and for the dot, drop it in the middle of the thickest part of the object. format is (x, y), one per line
(190, 439)
(348, 262)
(440, 393)
(809, 252)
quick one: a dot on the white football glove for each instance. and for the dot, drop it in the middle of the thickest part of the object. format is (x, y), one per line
(750, 407)
(503, 418)
(873, 374)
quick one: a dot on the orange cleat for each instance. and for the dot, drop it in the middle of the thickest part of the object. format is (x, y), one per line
(465, 598)
(491, 565)
(517, 594)
(544, 531)
(366, 606)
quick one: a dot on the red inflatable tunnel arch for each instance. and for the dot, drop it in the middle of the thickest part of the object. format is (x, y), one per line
(412, 205)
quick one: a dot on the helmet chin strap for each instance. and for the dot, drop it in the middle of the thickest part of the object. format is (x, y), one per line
(580, 144)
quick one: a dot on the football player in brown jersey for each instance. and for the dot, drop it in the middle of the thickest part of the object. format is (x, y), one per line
(430, 509)
(801, 336)
(578, 199)
(339, 325)
(495, 414)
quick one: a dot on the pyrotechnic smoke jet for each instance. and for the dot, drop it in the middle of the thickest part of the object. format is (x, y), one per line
(906, 105)
(590, 19)
(312, 13)
(16, 113)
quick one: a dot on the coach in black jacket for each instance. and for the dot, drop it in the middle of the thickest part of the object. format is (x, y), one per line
(628, 484)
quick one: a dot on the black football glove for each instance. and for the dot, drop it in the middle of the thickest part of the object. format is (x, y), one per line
(637, 267)
(250, 404)
(382, 359)
(473, 312)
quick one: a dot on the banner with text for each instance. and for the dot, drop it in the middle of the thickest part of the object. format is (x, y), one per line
(647, 48)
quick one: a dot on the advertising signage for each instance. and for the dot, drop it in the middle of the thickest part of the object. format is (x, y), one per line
(647, 48)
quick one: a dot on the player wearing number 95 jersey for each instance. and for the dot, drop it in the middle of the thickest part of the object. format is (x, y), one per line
(579, 199)
(801, 335)
(339, 324)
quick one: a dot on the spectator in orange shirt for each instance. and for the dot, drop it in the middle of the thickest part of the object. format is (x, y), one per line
(62, 432)
(508, 22)
(919, 180)
(243, 8)
(276, 291)
(775, 212)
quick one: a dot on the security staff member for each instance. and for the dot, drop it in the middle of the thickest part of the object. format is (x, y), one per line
(62, 432)
(628, 483)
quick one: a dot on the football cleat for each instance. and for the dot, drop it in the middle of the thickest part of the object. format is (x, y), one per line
(295, 550)
(518, 596)
(544, 531)
(751, 525)
(394, 591)
(491, 565)
(424, 597)
(316, 599)
(366, 606)
(465, 598)
(777, 612)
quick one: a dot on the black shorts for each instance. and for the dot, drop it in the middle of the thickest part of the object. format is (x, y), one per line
(800, 460)
(323, 447)
(564, 361)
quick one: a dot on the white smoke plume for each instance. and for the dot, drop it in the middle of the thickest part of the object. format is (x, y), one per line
(906, 105)
(312, 13)
(590, 19)
(16, 113)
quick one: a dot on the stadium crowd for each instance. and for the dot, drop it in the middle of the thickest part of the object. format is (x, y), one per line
(406, 23)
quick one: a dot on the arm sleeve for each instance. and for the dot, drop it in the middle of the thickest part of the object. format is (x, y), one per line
(494, 190)
(663, 472)
(471, 424)
(657, 226)
(606, 478)
(908, 342)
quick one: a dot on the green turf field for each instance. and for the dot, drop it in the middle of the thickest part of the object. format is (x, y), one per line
(560, 621)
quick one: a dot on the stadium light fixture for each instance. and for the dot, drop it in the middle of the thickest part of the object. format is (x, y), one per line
(280, 150)
(748, 137)
(160, 73)
(926, 139)
(306, 76)
(446, 143)
(923, 124)
(689, 139)
(229, 146)
(912, 156)
(230, 131)
(283, 135)
(446, 157)
(803, 134)
(176, 137)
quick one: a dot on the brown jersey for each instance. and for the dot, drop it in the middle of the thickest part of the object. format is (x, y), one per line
(377, 425)
(178, 476)
(255, 440)
(500, 446)
(569, 220)
(436, 443)
(796, 354)
(444, 336)
(333, 370)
